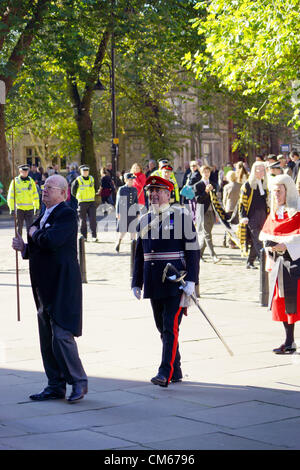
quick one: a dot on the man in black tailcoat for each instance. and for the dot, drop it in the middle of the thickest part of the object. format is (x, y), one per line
(57, 290)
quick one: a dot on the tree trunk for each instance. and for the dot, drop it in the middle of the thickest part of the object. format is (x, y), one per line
(5, 168)
(13, 65)
(85, 129)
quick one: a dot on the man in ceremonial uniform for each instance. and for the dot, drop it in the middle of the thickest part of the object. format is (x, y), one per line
(27, 201)
(83, 188)
(166, 234)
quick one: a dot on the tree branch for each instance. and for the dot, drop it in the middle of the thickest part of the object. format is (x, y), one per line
(93, 75)
(16, 58)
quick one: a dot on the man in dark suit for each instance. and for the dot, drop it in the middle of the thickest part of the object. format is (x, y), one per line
(296, 160)
(166, 234)
(57, 290)
(205, 212)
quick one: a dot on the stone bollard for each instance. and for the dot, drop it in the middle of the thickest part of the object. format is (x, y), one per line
(82, 264)
(264, 280)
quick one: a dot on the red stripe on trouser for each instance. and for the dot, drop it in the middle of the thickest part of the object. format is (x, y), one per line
(175, 344)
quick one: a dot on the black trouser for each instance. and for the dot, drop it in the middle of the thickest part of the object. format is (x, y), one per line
(59, 353)
(255, 244)
(205, 235)
(26, 216)
(87, 209)
(167, 315)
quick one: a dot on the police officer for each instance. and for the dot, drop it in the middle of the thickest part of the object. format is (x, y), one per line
(27, 198)
(165, 171)
(83, 188)
(166, 234)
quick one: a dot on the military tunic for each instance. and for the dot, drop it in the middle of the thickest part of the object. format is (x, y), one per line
(127, 208)
(166, 237)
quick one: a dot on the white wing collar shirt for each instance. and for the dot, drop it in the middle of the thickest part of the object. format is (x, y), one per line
(46, 215)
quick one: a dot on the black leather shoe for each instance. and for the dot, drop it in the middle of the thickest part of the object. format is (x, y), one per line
(78, 392)
(283, 349)
(160, 380)
(174, 380)
(48, 394)
(251, 266)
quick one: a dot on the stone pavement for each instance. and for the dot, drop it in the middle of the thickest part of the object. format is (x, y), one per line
(250, 401)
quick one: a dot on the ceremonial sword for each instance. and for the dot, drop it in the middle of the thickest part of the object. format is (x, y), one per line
(180, 278)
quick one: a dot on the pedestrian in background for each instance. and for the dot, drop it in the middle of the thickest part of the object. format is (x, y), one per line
(294, 156)
(139, 183)
(35, 174)
(241, 174)
(168, 174)
(83, 189)
(127, 209)
(23, 194)
(106, 187)
(283, 164)
(253, 210)
(231, 193)
(193, 177)
(151, 168)
(205, 214)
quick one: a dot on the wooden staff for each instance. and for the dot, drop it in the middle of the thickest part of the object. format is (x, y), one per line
(15, 219)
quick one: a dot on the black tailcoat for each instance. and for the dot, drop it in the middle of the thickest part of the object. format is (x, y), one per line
(54, 269)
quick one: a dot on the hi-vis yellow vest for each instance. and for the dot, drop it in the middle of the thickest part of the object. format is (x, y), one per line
(173, 180)
(86, 189)
(27, 196)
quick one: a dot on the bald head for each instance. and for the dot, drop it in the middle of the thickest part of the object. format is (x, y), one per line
(55, 190)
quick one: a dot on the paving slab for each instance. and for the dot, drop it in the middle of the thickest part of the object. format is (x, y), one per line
(246, 402)
(162, 429)
(214, 441)
(244, 414)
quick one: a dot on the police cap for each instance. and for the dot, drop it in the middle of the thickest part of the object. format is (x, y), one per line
(271, 157)
(274, 165)
(84, 167)
(23, 167)
(167, 166)
(129, 176)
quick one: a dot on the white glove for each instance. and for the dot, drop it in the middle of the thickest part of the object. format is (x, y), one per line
(244, 220)
(137, 292)
(189, 288)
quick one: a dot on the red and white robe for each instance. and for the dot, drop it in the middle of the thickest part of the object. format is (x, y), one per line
(285, 230)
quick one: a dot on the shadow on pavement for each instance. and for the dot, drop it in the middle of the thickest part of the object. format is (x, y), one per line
(124, 414)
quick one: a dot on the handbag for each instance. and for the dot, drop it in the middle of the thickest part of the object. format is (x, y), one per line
(187, 192)
(105, 192)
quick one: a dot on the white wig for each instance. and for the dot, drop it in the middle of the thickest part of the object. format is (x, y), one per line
(292, 203)
(252, 178)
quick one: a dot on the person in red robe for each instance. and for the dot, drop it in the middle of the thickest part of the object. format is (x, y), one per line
(281, 237)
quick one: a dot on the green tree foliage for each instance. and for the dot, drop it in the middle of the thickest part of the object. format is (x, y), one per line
(72, 49)
(253, 49)
(19, 22)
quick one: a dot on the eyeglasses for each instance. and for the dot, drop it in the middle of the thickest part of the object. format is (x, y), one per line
(48, 188)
